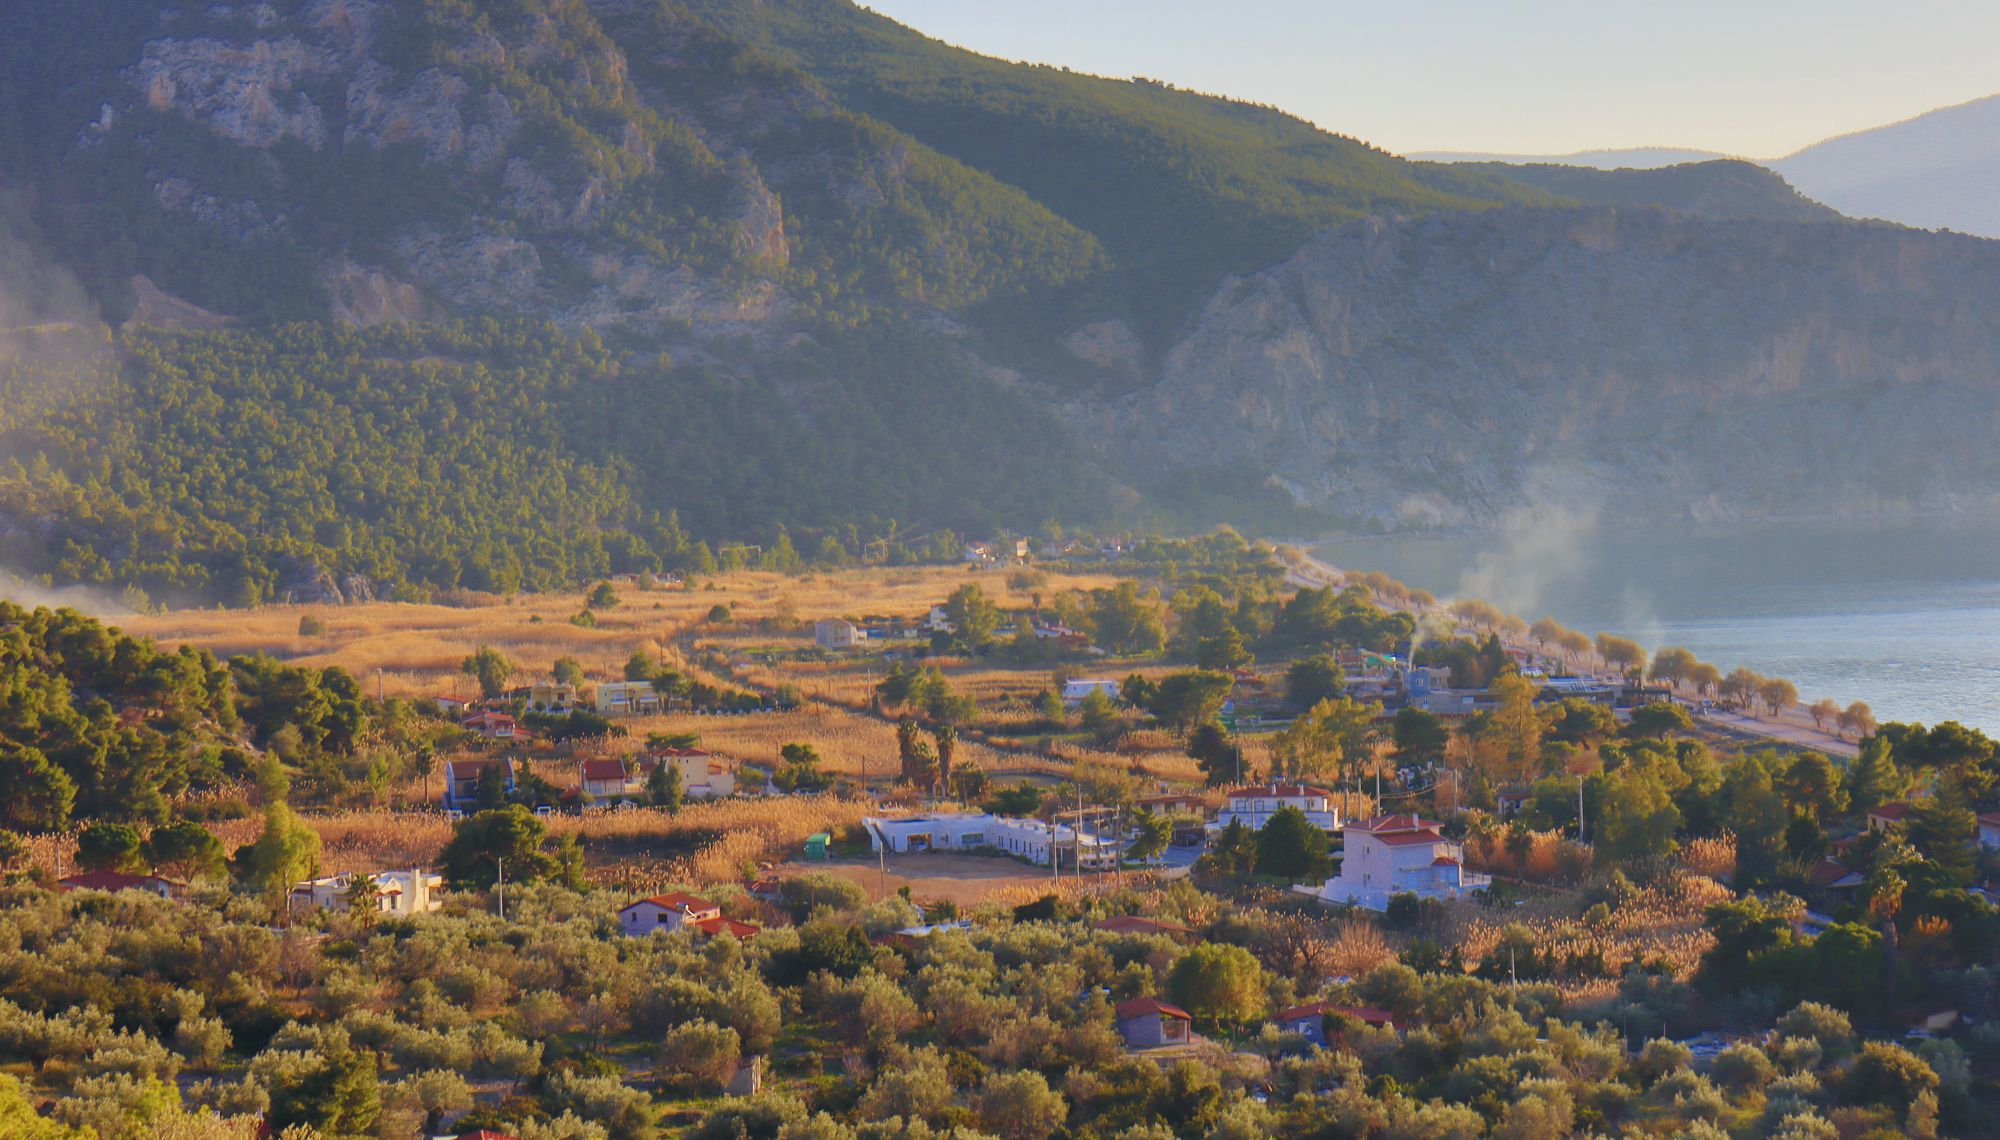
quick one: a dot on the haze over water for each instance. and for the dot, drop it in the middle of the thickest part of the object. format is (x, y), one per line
(1901, 613)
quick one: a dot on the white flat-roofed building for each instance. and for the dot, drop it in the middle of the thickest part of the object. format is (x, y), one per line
(1029, 839)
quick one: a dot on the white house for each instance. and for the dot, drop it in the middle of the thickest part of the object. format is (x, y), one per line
(666, 912)
(400, 893)
(1077, 688)
(1030, 839)
(491, 725)
(837, 633)
(939, 621)
(681, 911)
(1398, 854)
(627, 697)
(1255, 806)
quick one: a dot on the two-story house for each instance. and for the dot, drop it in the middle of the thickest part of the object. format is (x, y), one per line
(1398, 854)
(837, 633)
(463, 774)
(703, 777)
(628, 698)
(608, 780)
(1255, 806)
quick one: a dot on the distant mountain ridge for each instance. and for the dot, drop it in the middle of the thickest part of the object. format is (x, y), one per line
(1724, 188)
(1936, 170)
(1611, 158)
(502, 296)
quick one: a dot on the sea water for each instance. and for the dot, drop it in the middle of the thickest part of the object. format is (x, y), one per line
(1903, 613)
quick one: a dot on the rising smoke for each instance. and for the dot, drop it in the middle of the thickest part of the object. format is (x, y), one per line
(51, 336)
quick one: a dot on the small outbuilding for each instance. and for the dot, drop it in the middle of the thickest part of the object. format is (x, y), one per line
(1148, 1023)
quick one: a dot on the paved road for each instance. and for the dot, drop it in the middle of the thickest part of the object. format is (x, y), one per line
(1783, 731)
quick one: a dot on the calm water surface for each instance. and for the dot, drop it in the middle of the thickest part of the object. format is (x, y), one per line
(1901, 613)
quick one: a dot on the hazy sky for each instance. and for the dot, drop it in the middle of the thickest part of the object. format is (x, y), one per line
(1759, 78)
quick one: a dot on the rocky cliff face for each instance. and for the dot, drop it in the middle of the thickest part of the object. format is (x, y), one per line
(1451, 368)
(608, 163)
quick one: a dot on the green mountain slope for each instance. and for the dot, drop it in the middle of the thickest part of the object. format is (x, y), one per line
(1181, 188)
(1725, 188)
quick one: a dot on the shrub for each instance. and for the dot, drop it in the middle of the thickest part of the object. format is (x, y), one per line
(702, 1051)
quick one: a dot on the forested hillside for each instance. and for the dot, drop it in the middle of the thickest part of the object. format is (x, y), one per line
(686, 272)
(242, 466)
(1181, 187)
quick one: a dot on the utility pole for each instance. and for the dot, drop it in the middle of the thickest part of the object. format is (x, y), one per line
(500, 884)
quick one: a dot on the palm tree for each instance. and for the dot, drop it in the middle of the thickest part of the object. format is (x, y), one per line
(364, 895)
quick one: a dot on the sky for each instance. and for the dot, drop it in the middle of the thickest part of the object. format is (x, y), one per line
(1756, 78)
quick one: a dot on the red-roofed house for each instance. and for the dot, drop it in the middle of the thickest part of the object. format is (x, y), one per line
(1398, 854)
(463, 774)
(118, 881)
(1309, 1021)
(1140, 924)
(1149, 1022)
(1833, 875)
(1888, 815)
(667, 912)
(608, 779)
(1255, 806)
(487, 1134)
(491, 725)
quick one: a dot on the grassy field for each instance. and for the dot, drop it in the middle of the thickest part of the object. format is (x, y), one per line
(415, 651)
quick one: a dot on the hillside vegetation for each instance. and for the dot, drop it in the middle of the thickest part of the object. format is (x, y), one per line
(1180, 187)
(1726, 188)
(228, 465)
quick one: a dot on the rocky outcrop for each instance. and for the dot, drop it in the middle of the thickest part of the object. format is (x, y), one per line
(153, 306)
(364, 296)
(1451, 368)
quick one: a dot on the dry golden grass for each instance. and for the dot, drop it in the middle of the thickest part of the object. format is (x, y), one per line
(640, 847)
(1664, 924)
(416, 649)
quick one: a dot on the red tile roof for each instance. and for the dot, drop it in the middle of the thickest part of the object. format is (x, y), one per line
(1361, 1013)
(1828, 872)
(1392, 823)
(1410, 838)
(603, 769)
(1286, 791)
(1141, 1007)
(744, 931)
(678, 900)
(1989, 819)
(1130, 923)
(1891, 812)
(110, 881)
